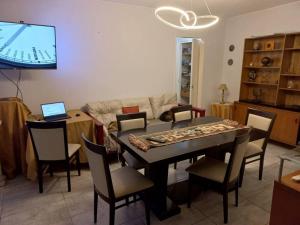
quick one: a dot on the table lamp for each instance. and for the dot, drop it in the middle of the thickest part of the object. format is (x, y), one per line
(223, 88)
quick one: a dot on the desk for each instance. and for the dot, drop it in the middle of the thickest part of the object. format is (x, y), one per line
(223, 111)
(76, 125)
(158, 159)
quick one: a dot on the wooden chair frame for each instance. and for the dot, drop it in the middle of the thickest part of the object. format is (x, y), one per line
(111, 199)
(261, 155)
(181, 108)
(40, 163)
(224, 187)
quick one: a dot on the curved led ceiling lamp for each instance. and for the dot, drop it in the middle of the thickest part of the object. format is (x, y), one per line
(189, 16)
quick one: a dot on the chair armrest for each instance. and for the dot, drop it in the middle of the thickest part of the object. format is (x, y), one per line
(99, 131)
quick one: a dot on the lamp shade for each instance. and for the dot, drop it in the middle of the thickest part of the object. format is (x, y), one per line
(223, 87)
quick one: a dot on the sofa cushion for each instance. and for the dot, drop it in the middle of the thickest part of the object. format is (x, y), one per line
(143, 104)
(163, 103)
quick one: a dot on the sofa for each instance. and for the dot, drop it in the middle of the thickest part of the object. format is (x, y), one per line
(104, 114)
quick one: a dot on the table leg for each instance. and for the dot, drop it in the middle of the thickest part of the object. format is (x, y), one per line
(161, 205)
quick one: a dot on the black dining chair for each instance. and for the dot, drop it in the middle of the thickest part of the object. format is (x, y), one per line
(223, 176)
(179, 114)
(117, 185)
(256, 150)
(50, 144)
(131, 121)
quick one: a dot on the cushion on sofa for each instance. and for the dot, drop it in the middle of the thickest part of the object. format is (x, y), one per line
(143, 104)
(130, 109)
(163, 103)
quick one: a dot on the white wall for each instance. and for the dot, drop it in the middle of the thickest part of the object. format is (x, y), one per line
(106, 51)
(285, 18)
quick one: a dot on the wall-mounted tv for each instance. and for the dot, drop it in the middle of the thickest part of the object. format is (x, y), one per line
(27, 46)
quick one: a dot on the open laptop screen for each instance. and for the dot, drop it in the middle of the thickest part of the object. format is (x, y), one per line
(53, 109)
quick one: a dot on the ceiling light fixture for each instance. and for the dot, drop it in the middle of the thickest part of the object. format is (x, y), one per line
(188, 16)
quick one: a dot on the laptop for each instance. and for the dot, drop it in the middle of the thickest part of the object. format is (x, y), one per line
(54, 111)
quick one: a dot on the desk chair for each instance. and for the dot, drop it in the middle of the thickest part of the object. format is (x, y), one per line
(224, 177)
(50, 144)
(263, 121)
(128, 122)
(117, 185)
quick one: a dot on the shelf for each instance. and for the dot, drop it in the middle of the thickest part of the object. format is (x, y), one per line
(290, 75)
(258, 51)
(263, 84)
(290, 89)
(292, 49)
(261, 67)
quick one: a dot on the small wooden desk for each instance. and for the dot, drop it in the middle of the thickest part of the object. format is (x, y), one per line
(76, 125)
(224, 111)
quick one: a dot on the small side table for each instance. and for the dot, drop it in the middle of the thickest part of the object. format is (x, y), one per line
(223, 111)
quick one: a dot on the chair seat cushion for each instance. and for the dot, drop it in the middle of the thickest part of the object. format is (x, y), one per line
(73, 148)
(209, 168)
(127, 181)
(132, 161)
(253, 148)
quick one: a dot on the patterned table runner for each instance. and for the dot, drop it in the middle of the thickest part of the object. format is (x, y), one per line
(183, 134)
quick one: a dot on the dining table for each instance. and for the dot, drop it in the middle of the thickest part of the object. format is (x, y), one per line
(157, 159)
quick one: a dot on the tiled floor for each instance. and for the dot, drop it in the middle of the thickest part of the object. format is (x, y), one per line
(21, 204)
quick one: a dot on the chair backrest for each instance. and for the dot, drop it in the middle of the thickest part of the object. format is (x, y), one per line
(97, 159)
(49, 140)
(131, 121)
(261, 120)
(181, 113)
(237, 156)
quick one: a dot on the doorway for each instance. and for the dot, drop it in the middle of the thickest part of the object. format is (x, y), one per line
(189, 70)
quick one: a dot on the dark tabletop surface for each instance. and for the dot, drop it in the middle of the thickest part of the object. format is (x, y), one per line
(180, 150)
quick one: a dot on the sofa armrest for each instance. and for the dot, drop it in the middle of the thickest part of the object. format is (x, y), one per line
(198, 112)
(99, 131)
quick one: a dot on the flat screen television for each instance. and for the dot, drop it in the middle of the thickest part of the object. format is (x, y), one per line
(27, 46)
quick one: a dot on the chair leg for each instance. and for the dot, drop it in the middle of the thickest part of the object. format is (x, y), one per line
(147, 208)
(261, 166)
(95, 206)
(68, 175)
(242, 171)
(111, 213)
(40, 177)
(175, 165)
(225, 206)
(123, 161)
(51, 170)
(237, 193)
(189, 201)
(78, 163)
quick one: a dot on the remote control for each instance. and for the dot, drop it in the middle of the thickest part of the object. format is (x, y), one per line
(156, 140)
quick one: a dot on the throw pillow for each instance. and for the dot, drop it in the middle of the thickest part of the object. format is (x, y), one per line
(130, 109)
(166, 116)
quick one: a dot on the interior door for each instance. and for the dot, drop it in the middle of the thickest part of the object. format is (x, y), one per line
(196, 72)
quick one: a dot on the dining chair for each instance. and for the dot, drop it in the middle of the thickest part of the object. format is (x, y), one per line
(127, 122)
(223, 176)
(264, 122)
(50, 144)
(117, 185)
(182, 113)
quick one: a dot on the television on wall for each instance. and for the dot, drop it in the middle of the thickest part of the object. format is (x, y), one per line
(27, 46)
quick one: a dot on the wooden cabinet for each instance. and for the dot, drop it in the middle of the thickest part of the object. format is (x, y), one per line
(286, 126)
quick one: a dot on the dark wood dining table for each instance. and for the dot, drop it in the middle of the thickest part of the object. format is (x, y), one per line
(158, 159)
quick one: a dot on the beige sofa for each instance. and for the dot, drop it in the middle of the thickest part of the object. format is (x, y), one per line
(104, 114)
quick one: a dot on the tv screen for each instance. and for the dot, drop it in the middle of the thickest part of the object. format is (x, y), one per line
(27, 46)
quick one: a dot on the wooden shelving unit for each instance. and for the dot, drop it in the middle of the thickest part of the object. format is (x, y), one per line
(276, 87)
(279, 82)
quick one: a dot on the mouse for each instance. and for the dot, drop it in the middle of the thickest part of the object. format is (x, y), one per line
(77, 114)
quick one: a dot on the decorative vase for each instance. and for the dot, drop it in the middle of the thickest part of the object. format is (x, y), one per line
(290, 84)
(266, 61)
(252, 75)
(256, 46)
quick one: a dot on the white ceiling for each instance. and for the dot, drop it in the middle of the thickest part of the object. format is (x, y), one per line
(223, 8)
